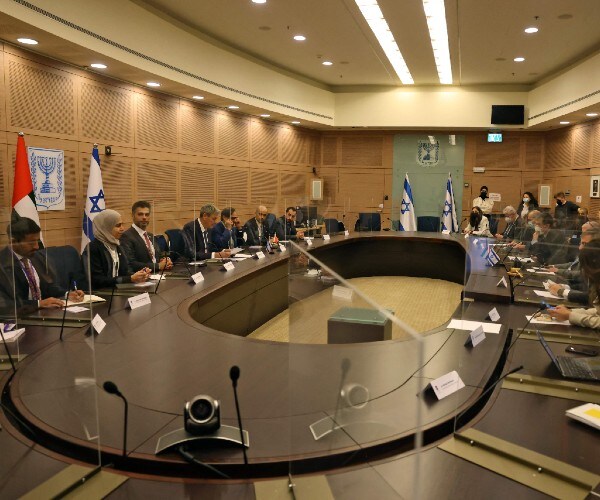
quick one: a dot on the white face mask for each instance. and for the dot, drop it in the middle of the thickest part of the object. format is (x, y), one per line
(538, 229)
(525, 200)
(508, 220)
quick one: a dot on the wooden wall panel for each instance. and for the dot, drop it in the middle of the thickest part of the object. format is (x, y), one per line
(156, 181)
(263, 187)
(534, 151)
(233, 136)
(117, 180)
(196, 184)
(264, 139)
(595, 137)
(156, 123)
(197, 130)
(293, 185)
(329, 150)
(498, 156)
(582, 139)
(293, 145)
(362, 151)
(232, 185)
(558, 150)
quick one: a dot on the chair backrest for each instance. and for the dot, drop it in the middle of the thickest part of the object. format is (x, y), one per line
(270, 220)
(176, 243)
(331, 225)
(395, 225)
(493, 224)
(428, 223)
(368, 221)
(160, 243)
(65, 262)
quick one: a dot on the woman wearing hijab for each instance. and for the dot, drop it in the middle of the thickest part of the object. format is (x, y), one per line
(107, 262)
(478, 224)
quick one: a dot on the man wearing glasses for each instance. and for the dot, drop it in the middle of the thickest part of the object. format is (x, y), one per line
(228, 233)
(286, 226)
(256, 229)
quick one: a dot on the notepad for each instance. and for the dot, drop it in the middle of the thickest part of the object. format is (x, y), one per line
(13, 335)
(87, 299)
(469, 326)
(588, 413)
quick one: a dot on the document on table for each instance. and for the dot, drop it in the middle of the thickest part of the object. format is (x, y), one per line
(86, 300)
(77, 309)
(546, 320)
(157, 277)
(548, 295)
(459, 324)
(537, 271)
(522, 259)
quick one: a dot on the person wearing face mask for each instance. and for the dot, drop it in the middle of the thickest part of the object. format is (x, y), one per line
(483, 201)
(565, 213)
(478, 224)
(528, 203)
(511, 219)
(547, 244)
(524, 233)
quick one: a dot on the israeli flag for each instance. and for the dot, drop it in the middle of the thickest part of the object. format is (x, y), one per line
(449, 221)
(94, 202)
(407, 209)
(492, 257)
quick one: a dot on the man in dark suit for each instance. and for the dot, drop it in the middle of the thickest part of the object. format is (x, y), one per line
(228, 232)
(510, 216)
(257, 231)
(285, 227)
(138, 243)
(24, 278)
(565, 213)
(547, 244)
(197, 236)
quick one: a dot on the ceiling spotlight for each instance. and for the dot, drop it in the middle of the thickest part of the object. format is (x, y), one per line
(259, 1)
(299, 38)
(233, 106)
(518, 59)
(27, 41)
(153, 84)
(198, 97)
(327, 63)
(591, 114)
(98, 65)
(531, 29)
(265, 116)
(564, 123)
(295, 122)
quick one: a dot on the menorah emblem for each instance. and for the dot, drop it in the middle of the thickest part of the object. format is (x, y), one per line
(47, 166)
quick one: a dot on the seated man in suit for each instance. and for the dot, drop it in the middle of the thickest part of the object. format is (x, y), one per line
(24, 278)
(257, 232)
(511, 218)
(137, 242)
(197, 235)
(285, 227)
(524, 233)
(228, 233)
(547, 244)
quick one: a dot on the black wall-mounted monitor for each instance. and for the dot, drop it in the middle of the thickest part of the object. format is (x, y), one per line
(508, 114)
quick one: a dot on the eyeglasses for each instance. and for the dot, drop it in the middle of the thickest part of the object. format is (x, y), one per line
(263, 214)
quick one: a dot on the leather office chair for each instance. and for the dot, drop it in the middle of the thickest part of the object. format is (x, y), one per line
(176, 243)
(161, 244)
(331, 226)
(368, 221)
(65, 261)
(428, 223)
(493, 223)
(270, 221)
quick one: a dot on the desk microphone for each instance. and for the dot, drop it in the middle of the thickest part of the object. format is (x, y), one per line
(112, 388)
(543, 307)
(112, 294)
(514, 370)
(162, 272)
(62, 323)
(12, 362)
(234, 375)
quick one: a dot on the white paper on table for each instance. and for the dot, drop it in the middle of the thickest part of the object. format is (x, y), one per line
(541, 322)
(77, 309)
(145, 284)
(459, 324)
(242, 256)
(522, 259)
(157, 277)
(86, 299)
(13, 335)
(548, 295)
(531, 270)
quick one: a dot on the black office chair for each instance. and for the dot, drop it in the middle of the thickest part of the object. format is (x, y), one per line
(176, 243)
(64, 263)
(368, 221)
(493, 223)
(331, 226)
(428, 223)
(270, 221)
(161, 245)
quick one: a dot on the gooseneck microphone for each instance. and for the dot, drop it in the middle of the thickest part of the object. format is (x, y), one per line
(162, 271)
(543, 307)
(112, 294)
(234, 375)
(62, 324)
(112, 388)
(12, 362)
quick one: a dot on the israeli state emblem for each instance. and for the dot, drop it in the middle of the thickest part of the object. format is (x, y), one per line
(428, 155)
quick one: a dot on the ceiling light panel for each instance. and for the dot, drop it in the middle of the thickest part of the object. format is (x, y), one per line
(374, 17)
(435, 12)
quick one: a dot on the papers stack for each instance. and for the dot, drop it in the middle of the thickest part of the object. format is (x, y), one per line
(588, 413)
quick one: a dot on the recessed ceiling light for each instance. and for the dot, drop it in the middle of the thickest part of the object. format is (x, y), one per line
(98, 65)
(198, 97)
(327, 63)
(295, 122)
(564, 123)
(233, 106)
(259, 1)
(518, 59)
(591, 114)
(27, 41)
(531, 29)
(265, 116)
(153, 84)
(435, 13)
(299, 38)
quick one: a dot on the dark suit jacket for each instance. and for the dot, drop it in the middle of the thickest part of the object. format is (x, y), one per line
(566, 216)
(136, 250)
(524, 233)
(551, 247)
(194, 242)
(101, 265)
(284, 229)
(510, 230)
(221, 236)
(19, 286)
(251, 229)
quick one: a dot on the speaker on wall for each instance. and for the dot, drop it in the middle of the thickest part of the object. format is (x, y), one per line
(503, 114)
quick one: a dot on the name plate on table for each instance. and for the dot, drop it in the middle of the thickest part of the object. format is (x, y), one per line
(502, 282)
(476, 336)
(447, 384)
(282, 247)
(346, 233)
(197, 277)
(342, 292)
(445, 231)
(493, 314)
(260, 255)
(139, 300)
(98, 323)
(228, 266)
(326, 237)
(309, 242)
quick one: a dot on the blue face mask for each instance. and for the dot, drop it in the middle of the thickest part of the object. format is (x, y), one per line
(525, 200)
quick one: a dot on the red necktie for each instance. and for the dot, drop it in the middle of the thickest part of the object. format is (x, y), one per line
(33, 286)
(148, 245)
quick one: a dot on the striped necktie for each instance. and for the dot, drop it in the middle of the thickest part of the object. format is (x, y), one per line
(29, 274)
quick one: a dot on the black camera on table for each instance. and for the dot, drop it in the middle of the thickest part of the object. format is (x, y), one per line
(202, 415)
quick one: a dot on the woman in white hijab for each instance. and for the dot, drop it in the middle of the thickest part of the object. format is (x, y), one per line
(107, 262)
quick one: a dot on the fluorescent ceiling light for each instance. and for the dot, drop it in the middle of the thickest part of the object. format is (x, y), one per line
(299, 38)
(259, 1)
(591, 114)
(564, 123)
(98, 65)
(295, 122)
(531, 29)
(519, 59)
(374, 17)
(435, 12)
(27, 41)
(327, 63)
(198, 97)
(153, 84)
(233, 106)
(265, 116)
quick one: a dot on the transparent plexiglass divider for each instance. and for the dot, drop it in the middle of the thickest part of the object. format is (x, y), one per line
(355, 363)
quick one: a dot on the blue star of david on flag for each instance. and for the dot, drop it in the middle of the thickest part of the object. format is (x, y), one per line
(95, 202)
(407, 208)
(449, 222)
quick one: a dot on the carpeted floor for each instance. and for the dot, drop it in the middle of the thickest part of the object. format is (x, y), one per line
(422, 303)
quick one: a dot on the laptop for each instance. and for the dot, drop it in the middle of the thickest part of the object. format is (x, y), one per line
(576, 368)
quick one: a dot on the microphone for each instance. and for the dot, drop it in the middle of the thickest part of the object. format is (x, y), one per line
(162, 272)
(111, 388)
(234, 375)
(12, 362)
(543, 307)
(112, 294)
(62, 324)
(482, 395)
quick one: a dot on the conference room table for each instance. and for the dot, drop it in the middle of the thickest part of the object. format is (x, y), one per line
(184, 342)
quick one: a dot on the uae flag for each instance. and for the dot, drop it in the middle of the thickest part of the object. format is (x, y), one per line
(23, 200)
